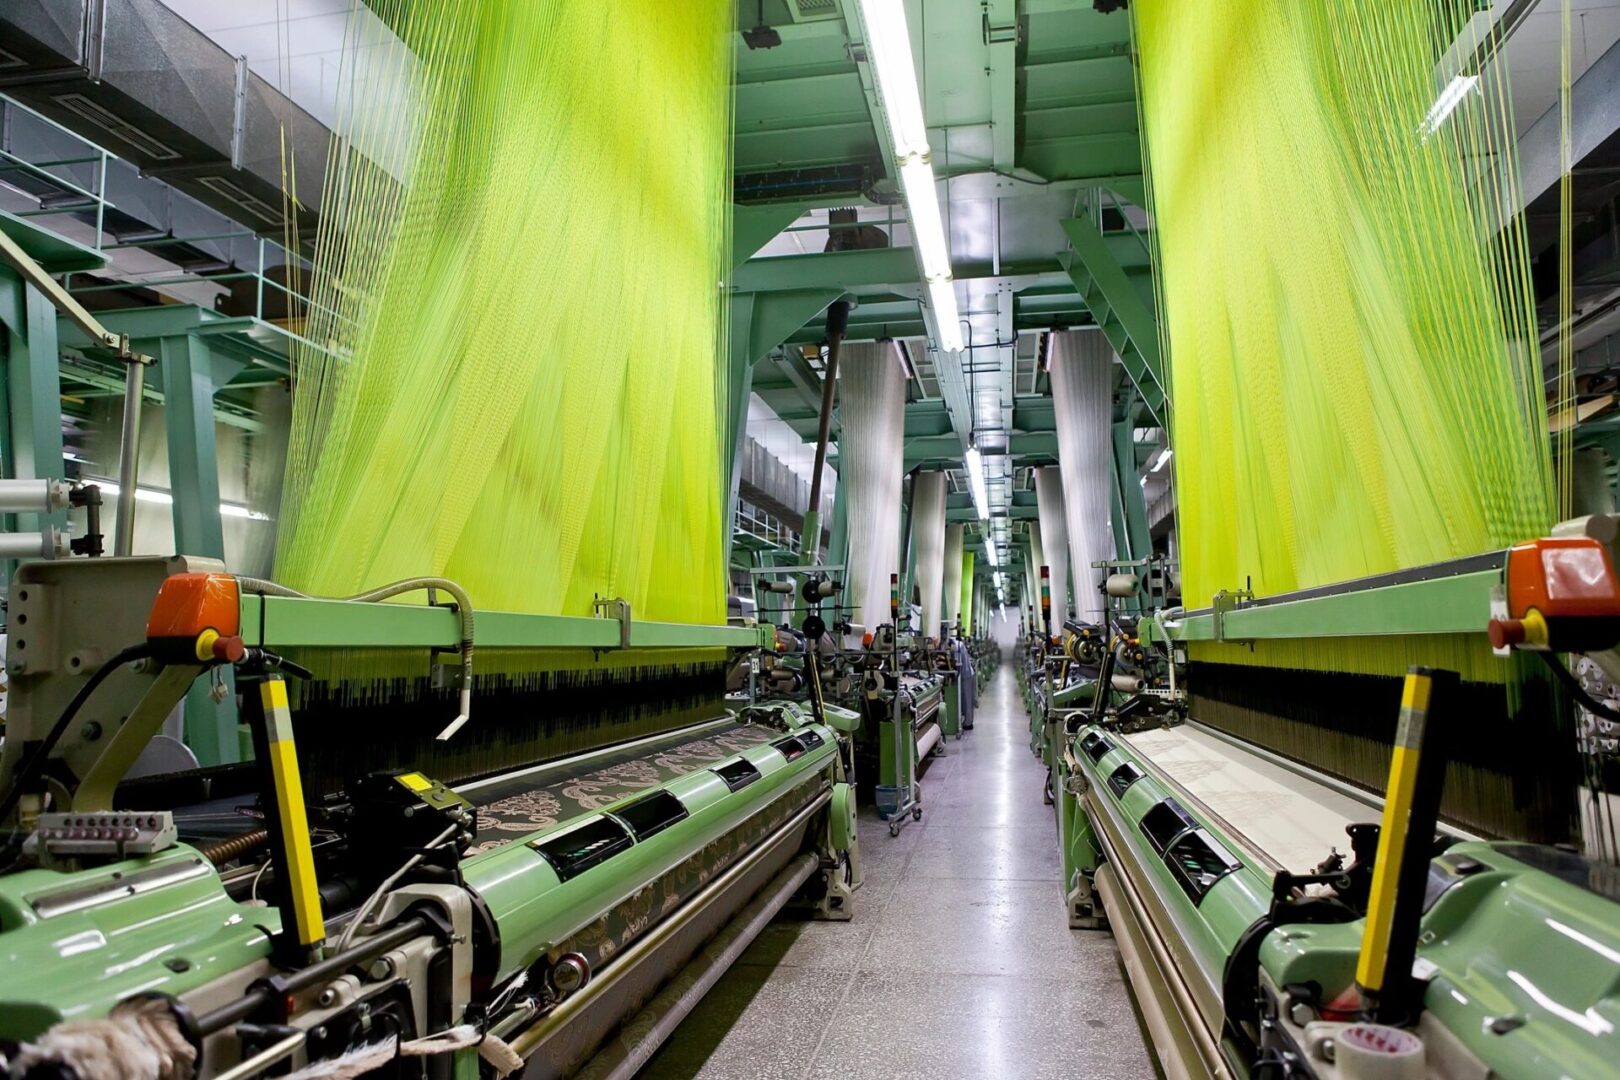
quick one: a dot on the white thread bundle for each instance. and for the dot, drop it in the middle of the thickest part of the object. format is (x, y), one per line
(1054, 538)
(871, 451)
(953, 573)
(928, 546)
(1082, 404)
(1037, 559)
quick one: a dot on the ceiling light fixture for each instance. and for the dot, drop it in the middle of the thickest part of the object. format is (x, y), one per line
(975, 468)
(1164, 456)
(888, 49)
(164, 498)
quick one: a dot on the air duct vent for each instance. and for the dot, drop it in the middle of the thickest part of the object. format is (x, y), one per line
(253, 205)
(116, 126)
(813, 10)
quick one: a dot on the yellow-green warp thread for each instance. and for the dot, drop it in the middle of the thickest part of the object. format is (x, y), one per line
(1348, 321)
(527, 322)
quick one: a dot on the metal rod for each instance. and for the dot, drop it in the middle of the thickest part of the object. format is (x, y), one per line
(304, 978)
(268, 1056)
(32, 496)
(836, 326)
(128, 446)
(12, 253)
(28, 545)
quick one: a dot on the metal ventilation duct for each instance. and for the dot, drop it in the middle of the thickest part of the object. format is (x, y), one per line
(134, 77)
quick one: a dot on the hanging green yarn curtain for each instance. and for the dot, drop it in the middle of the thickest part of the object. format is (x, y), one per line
(1348, 320)
(530, 316)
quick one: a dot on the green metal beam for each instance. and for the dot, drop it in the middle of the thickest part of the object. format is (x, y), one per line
(759, 323)
(1121, 313)
(752, 227)
(286, 622)
(834, 269)
(32, 387)
(1460, 604)
(932, 449)
(186, 373)
(102, 385)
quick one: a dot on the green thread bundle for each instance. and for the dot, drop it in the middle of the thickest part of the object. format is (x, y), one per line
(528, 320)
(1350, 330)
(1350, 325)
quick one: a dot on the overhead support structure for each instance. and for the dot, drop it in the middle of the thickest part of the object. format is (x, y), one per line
(38, 282)
(1124, 316)
(760, 321)
(31, 391)
(1001, 40)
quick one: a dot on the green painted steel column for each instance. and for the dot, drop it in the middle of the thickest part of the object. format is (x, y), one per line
(188, 398)
(1138, 540)
(187, 379)
(33, 394)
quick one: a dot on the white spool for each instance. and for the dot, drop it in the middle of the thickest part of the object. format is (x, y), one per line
(1122, 585)
(1127, 684)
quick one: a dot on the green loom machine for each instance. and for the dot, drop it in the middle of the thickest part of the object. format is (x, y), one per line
(1280, 917)
(905, 694)
(547, 890)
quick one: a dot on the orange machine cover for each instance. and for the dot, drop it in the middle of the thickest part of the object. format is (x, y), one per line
(188, 604)
(1561, 577)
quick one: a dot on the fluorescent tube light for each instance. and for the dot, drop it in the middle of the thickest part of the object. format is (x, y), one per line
(1446, 104)
(942, 298)
(888, 47)
(888, 51)
(975, 468)
(1164, 456)
(991, 553)
(164, 498)
(927, 225)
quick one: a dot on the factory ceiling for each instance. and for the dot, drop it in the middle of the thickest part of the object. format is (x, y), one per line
(1032, 120)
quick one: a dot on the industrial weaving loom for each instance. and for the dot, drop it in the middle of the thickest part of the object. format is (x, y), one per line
(517, 828)
(1330, 852)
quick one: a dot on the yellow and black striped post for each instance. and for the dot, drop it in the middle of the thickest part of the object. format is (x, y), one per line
(286, 819)
(1417, 771)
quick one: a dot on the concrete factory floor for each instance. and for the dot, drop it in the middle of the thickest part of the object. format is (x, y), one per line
(959, 961)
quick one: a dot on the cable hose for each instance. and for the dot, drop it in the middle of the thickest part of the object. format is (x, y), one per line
(464, 610)
(1573, 685)
(35, 765)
